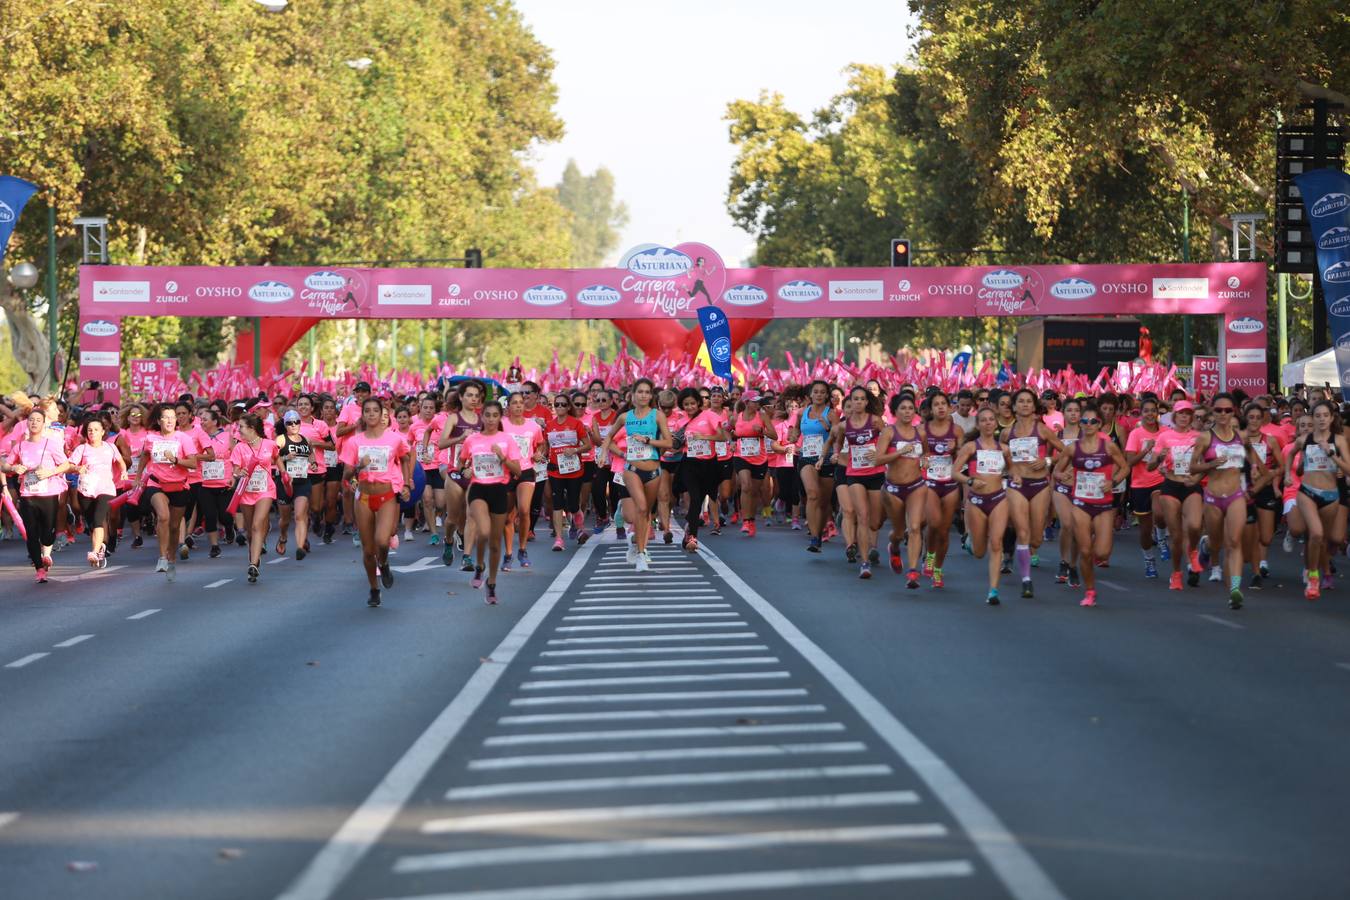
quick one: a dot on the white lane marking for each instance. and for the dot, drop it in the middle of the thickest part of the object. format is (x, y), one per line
(630, 638)
(364, 827)
(7, 818)
(648, 626)
(1344, 665)
(144, 614)
(1111, 584)
(747, 751)
(648, 606)
(1021, 874)
(536, 817)
(25, 660)
(656, 579)
(88, 576)
(679, 779)
(650, 679)
(437, 862)
(689, 885)
(643, 734)
(221, 583)
(637, 651)
(658, 715)
(658, 696)
(594, 603)
(659, 664)
(71, 642)
(600, 617)
(1224, 622)
(279, 559)
(628, 592)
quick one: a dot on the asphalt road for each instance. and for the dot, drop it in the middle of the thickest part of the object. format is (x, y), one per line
(753, 721)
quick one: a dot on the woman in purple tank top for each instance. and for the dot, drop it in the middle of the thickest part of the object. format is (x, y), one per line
(1089, 469)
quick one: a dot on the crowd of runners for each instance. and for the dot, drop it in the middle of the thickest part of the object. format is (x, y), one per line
(1205, 483)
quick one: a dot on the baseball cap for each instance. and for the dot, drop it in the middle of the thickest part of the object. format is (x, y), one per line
(750, 396)
(362, 386)
(291, 416)
(1183, 406)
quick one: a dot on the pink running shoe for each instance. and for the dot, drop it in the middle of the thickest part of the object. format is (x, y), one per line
(41, 576)
(93, 559)
(1089, 599)
(558, 545)
(393, 542)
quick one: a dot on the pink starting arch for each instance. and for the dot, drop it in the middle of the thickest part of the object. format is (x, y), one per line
(659, 287)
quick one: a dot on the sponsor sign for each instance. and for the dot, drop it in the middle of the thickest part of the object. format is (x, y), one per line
(1206, 370)
(598, 295)
(1247, 325)
(800, 291)
(857, 290)
(271, 292)
(1326, 196)
(1180, 288)
(325, 281)
(1073, 289)
(745, 295)
(121, 292)
(545, 295)
(100, 328)
(100, 358)
(1247, 355)
(147, 372)
(403, 295)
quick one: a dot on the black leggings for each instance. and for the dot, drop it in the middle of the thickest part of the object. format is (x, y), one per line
(603, 498)
(39, 518)
(789, 487)
(95, 510)
(701, 477)
(566, 493)
(212, 502)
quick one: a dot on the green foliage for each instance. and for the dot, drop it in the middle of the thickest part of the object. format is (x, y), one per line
(596, 216)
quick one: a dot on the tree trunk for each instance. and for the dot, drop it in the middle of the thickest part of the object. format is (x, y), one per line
(27, 338)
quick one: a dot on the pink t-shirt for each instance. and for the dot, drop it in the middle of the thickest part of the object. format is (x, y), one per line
(528, 437)
(221, 469)
(176, 445)
(424, 436)
(100, 480)
(316, 430)
(382, 453)
(675, 422)
(705, 423)
(1053, 420)
(47, 452)
(1175, 448)
(256, 468)
(486, 467)
(1140, 476)
(780, 460)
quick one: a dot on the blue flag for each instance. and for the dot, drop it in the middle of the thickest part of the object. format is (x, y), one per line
(717, 335)
(1326, 197)
(14, 194)
(960, 360)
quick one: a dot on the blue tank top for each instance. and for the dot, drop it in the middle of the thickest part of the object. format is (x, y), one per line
(644, 426)
(809, 426)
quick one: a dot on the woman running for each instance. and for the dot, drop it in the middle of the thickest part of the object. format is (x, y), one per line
(425, 432)
(213, 498)
(983, 462)
(725, 488)
(567, 440)
(101, 468)
(645, 429)
(490, 459)
(860, 498)
(327, 496)
(941, 440)
(252, 459)
(39, 461)
(1145, 483)
(529, 438)
(752, 428)
(702, 472)
(378, 456)
(1263, 509)
(459, 424)
(782, 462)
(811, 428)
(1087, 468)
(1223, 455)
(1324, 454)
(1180, 499)
(295, 460)
(166, 457)
(905, 496)
(601, 420)
(671, 461)
(1029, 444)
(130, 441)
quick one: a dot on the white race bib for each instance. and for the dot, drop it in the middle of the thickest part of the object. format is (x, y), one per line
(639, 452)
(30, 479)
(213, 470)
(377, 457)
(486, 465)
(1024, 449)
(257, 482)
(618, 477)
(1261, 450)
(523, 443)
(163, 451)
(1090, 486)
(540, 475)
(135, 466)
(568, 463)
(721, 448)
(330, 458)
(425, 453)
(989, 462)
(700, 448)
(812, 445)
(863, 456)
(297, 467)
(749, 446)
(557, 439)
(940, 468)
(909, 449)
(1230, 455)
(1181, 460)
(1315, 459)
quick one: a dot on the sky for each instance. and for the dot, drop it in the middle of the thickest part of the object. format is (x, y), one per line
(643, 88)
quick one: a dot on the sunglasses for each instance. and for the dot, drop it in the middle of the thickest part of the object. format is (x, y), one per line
(1090, 421)
(563, 405)
(1224, 409)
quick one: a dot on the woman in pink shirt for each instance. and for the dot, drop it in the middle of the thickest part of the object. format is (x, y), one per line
(166, 458)
(213, 496)
(130, 441)
(378, 456)
(100, 467)
(702, 472)
(252, 459)
(490, 459)
(39, 459)
(529, 440)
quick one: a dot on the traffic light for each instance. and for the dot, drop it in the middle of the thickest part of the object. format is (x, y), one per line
(900, 254)
(473, 258)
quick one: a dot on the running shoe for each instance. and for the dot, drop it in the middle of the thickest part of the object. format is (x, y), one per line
(47, 561)
(356, 540)
(328, 534)
(1235, 599)
(1257, 581)
(1288, 542)
(1006, 568)
(912, 580)
(1062, 576)
(668, 537)
(874, 557)
(434, 540)
(558, 545)
(1264, 569)
(618, 532)
(183, 551)
(62, 540)
(101, 557)
(1028, 591)
(1202, 550)
(162, 565)
(582, 537)
(530, 538)
(408, 535)
(992, 599)
(796, 524)
(753, 528)
(478, 576)
(459, 541)
(1174, 582)
(572, 532)
(1089, 599)
(1313, 590)
(1164, 551)
(506, 563)
(630, 557)
(1150, 569)
(643, 563)
(716, 528)
(393, 543)
(252, 574)
(92, 559)
(171, 573)
(373, 600)
(851, 553)
(1035, 560)
(300, 553)
(690, 544)
(1074, 580)
(468, 564)
(448, 554)
(1327, 582)
(928, 560)
(897, 565)
(830, 530)
(865, 571)
(491, 597)
(523, 558)
(41, 576)
(745, 527)
(215, 552)
(735, 517)
(1215, 574)
(813, 546)
(937, 578)
(138, 542)
(387, 575)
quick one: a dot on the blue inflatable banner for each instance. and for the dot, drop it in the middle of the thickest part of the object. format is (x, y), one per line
(14, 194)
(717, 335)
(1326, 197)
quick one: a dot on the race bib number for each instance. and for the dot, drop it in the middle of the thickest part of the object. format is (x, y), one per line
(486, 465)
(257, 481)
(749, 446)
(425, 453)
(1316, 460)
(377, 457)
(523, 444)
(700, 448)
(568, 463)
(297, 467)
(940, 468)
(135, 466)
(31, 480)
(163, 451)
(1231, 456)
(214, 470)
(989, 462)
(1261, 451)
(639, 452)
(601, 456)
(812, 445)
(721, 448)
(557, 439)
(1024, 449)
(330, 458)
(618, 477)
(1090, 486)
(909, 449)
(864, 456)
(540, 475)
(1181, 460)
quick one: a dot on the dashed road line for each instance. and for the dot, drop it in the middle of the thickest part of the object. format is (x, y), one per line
(657, 696)
(608, 757)
(696, 712)
(26, 660)
(71, 642)
(1218, 621)
(145, 613)
(7, 818)
(673, 779)
(221, 583)
(651, 734)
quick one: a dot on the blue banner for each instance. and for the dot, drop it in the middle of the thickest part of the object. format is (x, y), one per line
(14, 194)
(1326, 197)
(717, 335)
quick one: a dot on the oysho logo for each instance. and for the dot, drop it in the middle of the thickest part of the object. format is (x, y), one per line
(1246, 325)
(1000, 280)
(720, 349)
(1340, 309)
(1334, 238)
(545, 295)
(800, 291)
(1329, 204)
(1073, 289)
(598, 295)
(100, 328)
(271, 292)
(6, 212)
(655, 261)
(325, 281)
(745, 295)
(219, 291)
(1125, 287)
(1337, 272)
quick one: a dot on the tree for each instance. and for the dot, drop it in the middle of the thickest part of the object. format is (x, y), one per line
(596, 216)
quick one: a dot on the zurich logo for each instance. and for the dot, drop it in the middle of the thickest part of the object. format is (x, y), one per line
(1328, 204)
(325, 281)
(171, 287)
(100, 328)
(655, 261)
(271, 292)
(1337, 272)
(1002, 280)
(1073, 289)
(720, 349)
(545, 295)
(800, 291)
(1340, 309)
(598, 295)
(745, 295)
(6, 212)
(1246, 325)
(1334, 238)
(1234, 282)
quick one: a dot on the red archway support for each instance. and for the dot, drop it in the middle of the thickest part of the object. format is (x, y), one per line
(655, 336)
(279, 334)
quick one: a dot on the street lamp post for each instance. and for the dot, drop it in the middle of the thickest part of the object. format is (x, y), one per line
(24, 277)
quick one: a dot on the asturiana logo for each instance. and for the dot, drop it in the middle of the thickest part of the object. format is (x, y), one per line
(545, 295)
(1343, 342)
(6, 212)
(1345, 378)
(100, 328)
(1328, 204)
(271, 292)
(800, 291)
(1002, 280)
(1334, 238)
(1073, 289)
(325, 281)
(745, 295)
(1337, 272)
(599, 295)
(1246, 325)
(655, 261)
(1340, 309)
(720, 349)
